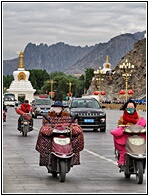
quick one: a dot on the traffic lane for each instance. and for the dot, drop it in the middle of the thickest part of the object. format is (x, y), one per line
(94, 175)
(101, 144)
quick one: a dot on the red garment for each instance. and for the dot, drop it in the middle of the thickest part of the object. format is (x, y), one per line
(26, 108)
(130, 118)
(120, 139)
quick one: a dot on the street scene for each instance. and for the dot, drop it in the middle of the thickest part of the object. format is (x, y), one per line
(74, 98)
(98, 172)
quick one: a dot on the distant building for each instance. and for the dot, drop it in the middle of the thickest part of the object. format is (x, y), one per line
(106, 66)
(21, 86)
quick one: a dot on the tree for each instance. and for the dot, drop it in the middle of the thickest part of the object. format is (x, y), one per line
(7, 81)
(37, 78)
(89, 73)
(61, 85)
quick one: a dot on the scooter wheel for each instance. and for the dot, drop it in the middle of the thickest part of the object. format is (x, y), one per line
(62, 173)
(139, 175)
(25, 131)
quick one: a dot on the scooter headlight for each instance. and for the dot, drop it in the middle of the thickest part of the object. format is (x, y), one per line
(143, 130)
(127, 130)
(61, 141)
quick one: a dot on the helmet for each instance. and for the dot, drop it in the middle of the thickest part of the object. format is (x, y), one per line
(57, 104)
(26, 101)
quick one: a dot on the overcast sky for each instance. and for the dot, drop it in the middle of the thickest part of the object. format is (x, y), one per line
(73, 23)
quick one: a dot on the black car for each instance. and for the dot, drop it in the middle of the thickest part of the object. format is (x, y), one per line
(90, 114)
(41, 106)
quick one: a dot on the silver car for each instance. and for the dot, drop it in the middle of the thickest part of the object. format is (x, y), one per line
(41, 106)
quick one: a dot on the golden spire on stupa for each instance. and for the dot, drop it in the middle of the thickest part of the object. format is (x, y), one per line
(107, 65)
(21, 62)
(107, 60)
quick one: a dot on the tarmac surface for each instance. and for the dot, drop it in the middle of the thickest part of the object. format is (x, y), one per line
(97, 174)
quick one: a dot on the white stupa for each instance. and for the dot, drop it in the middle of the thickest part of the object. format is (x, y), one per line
(106, 66)
(21, 86)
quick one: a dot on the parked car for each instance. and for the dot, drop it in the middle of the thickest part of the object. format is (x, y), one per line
(90, 114)
(41, 106)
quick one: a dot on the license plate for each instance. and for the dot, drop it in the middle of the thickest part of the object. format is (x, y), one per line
(25, 123)
(137, 141)
(45, 111)
(89, 120)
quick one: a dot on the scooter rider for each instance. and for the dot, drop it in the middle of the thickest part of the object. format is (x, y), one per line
(4, 107)
(26, 108)
(130, 116)
(58, 109)
(59, 117)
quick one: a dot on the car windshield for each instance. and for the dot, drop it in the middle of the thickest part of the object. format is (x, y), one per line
(43, 102)
(84, 103)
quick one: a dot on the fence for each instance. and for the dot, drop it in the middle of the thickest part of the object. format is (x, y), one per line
(117, 106)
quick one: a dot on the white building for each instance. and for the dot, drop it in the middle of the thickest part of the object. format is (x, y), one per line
(21, 86)
(106, 66)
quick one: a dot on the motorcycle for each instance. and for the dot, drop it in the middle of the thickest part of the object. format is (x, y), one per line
(26, 124)
(61, 156)
(135, 156)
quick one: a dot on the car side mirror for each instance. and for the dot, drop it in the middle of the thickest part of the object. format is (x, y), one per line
(103, 106)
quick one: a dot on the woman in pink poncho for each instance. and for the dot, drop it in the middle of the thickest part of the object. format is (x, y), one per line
(129, 117)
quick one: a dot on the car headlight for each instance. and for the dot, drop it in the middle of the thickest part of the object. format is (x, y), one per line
(101, 114)
(73, 113)
(38, 109)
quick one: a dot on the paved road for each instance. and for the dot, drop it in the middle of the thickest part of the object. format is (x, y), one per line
(98, 172)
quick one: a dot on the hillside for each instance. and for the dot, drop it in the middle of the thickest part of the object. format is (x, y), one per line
(72, 59)
(112, 86)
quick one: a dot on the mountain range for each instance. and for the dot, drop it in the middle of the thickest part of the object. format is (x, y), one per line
(73, 59)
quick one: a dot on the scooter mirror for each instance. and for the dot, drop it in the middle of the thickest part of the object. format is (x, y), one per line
(46, 117)
(74, 117)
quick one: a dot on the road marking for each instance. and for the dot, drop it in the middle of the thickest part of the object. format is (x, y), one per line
(106, 159)
(101, 157)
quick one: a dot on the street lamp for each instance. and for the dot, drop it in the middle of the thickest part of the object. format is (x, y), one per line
(84, 80)
(5, 89)
(126, 68)
(70, 85)
(52, 93)
(98, 75)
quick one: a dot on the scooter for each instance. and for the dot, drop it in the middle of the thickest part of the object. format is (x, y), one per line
(61, 156)
(135, 156)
